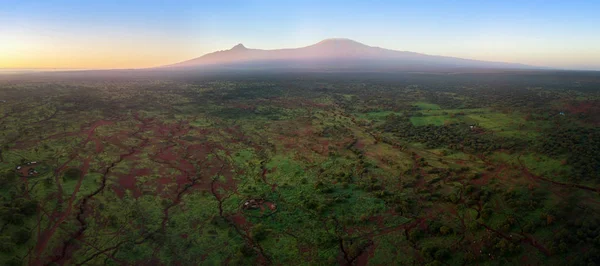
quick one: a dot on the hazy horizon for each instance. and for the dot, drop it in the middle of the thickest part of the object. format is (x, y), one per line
(142, 34)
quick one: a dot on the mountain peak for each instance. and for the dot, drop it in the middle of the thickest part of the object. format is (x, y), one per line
(338, 40)
(239, 46)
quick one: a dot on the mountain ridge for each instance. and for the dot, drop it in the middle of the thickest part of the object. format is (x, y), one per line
(332, 53)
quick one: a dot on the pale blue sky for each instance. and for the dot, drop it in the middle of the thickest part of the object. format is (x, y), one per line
(115, 34)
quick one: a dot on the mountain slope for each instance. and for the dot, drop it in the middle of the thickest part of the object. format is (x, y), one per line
(333, 54)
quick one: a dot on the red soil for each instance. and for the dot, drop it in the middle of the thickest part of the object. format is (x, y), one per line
(581, 107)
(359, 144)
(119, 191)
(46, 235)
(307, 252)
(99, 147)
(590, 108)
(187, 167)
(128, 181)
(181, 179)
(118, 140)
(24, 171)
(487, 177)
(161, 186)
(239, 220)
(364, 257)
(167, 155)
(268, 206)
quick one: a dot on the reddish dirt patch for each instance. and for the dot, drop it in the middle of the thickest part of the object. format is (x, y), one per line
(359, 144)
(364, 257)
(423, 225)
(99, 147)
(581, 107)
(164, 180)
(119, 191)
(487, 177)
(307, 252)
(128, 182)
(187, 167)
(239, 220)
(167, 155)
(45, 235)
(589, 108)
(268, 207)
(24, 171)
(161, 186)
(181, 179)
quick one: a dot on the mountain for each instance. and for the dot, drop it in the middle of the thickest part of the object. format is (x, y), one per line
(334, 54)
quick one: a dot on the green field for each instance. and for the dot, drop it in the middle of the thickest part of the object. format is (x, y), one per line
(436, 120)
(503, 124)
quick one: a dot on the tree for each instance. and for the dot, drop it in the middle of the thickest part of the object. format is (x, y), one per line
(441, 254)
(72, 174)
(444, 230)
(21, 236)
(6, 244)
(259, 232)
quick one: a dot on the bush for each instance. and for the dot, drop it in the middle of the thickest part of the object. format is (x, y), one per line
(444, 230)
(21, 236)
(72, 174)
(28, 208)
(6, 245)
(246, 250)
(259, 232)
(14, 261)
(441, 254)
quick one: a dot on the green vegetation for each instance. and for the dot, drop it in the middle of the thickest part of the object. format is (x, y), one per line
(436, 120)
(418, 170)
(427, 106)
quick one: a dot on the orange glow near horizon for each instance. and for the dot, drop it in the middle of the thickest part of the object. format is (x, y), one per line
(113, 60)
(94, 61)
(27, 50)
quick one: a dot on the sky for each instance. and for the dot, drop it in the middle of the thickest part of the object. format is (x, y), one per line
(137, 34)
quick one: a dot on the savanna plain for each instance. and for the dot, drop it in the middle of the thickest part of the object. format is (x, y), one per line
(312, 169)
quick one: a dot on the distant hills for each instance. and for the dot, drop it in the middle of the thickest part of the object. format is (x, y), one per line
(334, 54)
